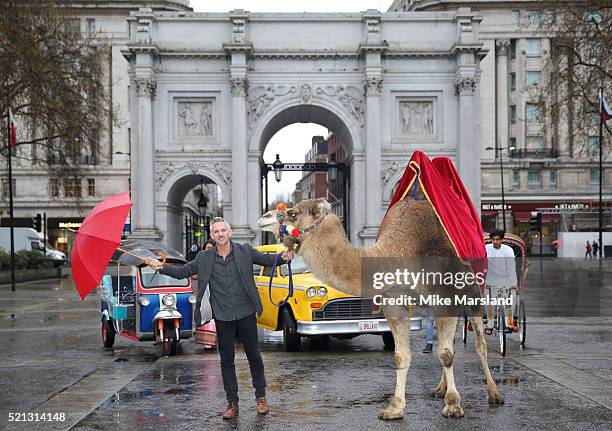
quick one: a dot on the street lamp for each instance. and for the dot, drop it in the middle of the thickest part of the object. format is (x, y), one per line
(203, 200)
(277, 167)
(501, 170)
(332, 171)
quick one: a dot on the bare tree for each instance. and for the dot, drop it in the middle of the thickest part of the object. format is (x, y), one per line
(580, 62)
(54, 75)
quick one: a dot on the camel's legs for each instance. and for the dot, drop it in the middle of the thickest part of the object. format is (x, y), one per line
(481, 347)
(440, 390)
(447, 327)
(400, 327)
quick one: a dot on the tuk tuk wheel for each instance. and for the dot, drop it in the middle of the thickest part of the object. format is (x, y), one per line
(170, 344)
(108, 333)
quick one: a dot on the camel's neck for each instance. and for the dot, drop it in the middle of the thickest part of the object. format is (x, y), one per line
(331, 257)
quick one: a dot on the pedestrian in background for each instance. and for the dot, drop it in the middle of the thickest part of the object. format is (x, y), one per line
(206, 334)
(429, 329)
(595, 249)
(588, 248)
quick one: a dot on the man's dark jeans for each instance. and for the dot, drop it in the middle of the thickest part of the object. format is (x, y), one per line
(226, 333)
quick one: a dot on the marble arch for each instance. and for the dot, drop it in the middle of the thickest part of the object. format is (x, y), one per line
(210, 89)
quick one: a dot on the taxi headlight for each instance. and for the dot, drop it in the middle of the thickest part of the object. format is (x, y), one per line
(322, 292)
(168, 300)
(144, 301)
(311, 292)
(192, 299)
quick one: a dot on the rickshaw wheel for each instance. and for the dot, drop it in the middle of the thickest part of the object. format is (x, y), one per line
(108, 333)
(522, 321)
(501, 330)
(169, 346)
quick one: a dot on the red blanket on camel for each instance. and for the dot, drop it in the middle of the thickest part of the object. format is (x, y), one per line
(443, 188)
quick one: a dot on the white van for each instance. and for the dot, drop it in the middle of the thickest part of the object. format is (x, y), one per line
(28, 239)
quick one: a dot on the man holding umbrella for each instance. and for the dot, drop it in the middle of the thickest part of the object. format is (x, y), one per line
(227, 269)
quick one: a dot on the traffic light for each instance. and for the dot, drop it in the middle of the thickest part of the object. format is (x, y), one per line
(37, 222)
(535, 223)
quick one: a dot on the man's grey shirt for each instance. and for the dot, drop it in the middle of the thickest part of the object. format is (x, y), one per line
(244, 258)
(228, 299)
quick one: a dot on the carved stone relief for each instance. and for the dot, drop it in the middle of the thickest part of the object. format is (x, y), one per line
(350, 97)
(390, 171)
(305, 92)
(416, 118)
(195, 119)
(166, 169)
(262, 96)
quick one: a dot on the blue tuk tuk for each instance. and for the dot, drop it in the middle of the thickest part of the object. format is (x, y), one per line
(141, 304)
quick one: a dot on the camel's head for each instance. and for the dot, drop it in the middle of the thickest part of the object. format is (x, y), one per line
(308, 212)
(269, 223)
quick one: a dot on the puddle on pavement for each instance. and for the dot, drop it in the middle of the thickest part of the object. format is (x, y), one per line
(125, 396)
(177, 391)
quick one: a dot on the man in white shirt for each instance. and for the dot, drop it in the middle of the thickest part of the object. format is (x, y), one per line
(501, 272)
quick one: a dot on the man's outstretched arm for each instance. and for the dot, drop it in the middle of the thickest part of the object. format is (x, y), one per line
(174, 271)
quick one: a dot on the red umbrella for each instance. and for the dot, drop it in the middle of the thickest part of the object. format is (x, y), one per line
(96, 241)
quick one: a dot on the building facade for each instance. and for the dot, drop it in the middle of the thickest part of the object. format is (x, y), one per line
(200, 95)
(208, 91)
(542, 166)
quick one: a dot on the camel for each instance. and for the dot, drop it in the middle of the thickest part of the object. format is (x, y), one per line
(331, 258)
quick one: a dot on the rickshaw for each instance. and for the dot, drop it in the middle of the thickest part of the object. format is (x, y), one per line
(141, 304)
(508, 319)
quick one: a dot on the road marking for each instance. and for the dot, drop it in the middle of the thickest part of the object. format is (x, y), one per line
(80, 399)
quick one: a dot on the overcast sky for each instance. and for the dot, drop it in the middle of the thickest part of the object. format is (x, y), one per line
(294, 141)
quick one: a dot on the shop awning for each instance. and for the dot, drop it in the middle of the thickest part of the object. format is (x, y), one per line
(525, 216)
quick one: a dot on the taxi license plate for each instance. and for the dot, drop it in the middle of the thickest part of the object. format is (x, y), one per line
(366, 326)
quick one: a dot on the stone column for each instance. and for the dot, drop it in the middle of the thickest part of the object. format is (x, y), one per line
(372, 161)
(467, 54)
(468, 145)
(242, 231)
(143, 178)
(372, 51)
(501, 91)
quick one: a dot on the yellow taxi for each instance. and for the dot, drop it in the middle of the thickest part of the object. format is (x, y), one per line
(315, 308)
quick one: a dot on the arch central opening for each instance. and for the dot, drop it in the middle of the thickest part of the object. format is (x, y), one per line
(314, 146)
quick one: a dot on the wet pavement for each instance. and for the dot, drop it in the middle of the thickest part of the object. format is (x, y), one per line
(52, 360)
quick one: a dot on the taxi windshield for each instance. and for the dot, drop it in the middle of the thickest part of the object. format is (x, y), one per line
(298, 266)
(151, 278)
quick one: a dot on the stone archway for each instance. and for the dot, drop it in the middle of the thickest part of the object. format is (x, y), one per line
(174, 182)
(333, 116)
